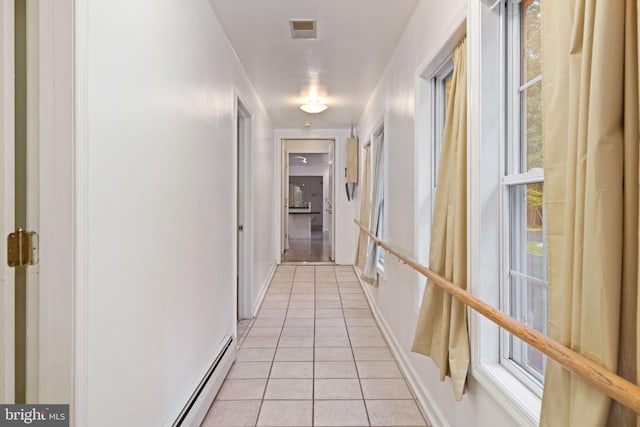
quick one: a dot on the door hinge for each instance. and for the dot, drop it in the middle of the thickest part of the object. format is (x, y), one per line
(22, 248)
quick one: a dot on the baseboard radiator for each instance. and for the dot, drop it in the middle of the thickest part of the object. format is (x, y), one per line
(198, 404)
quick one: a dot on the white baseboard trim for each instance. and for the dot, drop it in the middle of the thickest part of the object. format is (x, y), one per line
(433, 413)
(263, 289)
(197, 404)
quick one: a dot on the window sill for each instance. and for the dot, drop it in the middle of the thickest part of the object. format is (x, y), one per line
(522, 403)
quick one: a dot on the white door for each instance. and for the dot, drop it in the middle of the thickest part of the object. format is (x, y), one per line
(330, 207)
(244, 220)
(7, 202)
(240, 217)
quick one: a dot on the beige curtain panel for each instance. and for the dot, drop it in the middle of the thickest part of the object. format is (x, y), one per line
(365, 210)
(370, 271)
(590, 120)
(441, 332)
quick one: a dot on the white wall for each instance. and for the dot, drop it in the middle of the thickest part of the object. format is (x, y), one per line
(343, 210)
(396, 298)
(263, 195)
(161, 82)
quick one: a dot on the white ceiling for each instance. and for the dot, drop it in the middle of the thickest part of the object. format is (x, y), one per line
(344, 64)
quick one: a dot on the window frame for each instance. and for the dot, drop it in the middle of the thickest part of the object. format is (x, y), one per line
(514, 175)
(430, 113)
(486, 124)
(439, 80)
(378, 137)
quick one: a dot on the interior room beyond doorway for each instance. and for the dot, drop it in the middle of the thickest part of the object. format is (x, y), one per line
(310, 207)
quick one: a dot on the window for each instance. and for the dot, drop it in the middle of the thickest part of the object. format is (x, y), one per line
(525, 281)
(379, 147)
(441, 86)
(381, 237)
(374, 266)
(438, 79)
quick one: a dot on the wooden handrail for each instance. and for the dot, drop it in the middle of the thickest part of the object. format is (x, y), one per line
(606, 381)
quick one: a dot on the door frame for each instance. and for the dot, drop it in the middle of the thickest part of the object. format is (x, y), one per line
(53, 127)
(7, 223)
(332, 183)
(284, 200)
(281, 137)
(244, 257)
(81, 191)
(57, 210)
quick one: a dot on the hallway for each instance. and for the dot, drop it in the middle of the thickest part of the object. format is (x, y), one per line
(314, 356)
(396, 134)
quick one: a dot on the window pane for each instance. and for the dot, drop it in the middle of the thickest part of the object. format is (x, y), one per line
(381, 235)
(528, 287)
(528, 302)
(380, 184)
(531, 127)
(443, 90)
(530, 49)
(529, 306)
(527, 237)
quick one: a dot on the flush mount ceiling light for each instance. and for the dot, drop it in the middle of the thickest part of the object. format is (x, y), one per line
(313, 106)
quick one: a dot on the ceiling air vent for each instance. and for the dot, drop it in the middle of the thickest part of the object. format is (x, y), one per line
(303, 28)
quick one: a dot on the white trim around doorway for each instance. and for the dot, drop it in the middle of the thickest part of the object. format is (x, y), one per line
(341, 215)
(80, 411)
(241, 109)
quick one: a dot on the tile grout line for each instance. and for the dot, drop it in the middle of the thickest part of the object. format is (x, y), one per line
(364, 402)
(388, 346)
(290, 304)
(264, 393)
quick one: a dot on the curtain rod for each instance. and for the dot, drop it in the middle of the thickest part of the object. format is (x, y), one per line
(603, 379)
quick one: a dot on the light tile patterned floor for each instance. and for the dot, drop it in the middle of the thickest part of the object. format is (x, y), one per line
(314, 356)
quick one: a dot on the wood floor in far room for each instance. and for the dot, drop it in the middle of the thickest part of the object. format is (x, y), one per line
(315, 249)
